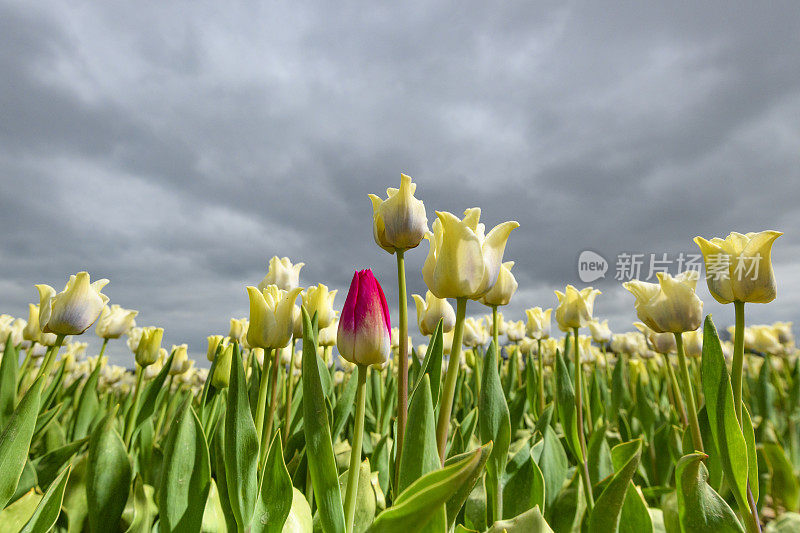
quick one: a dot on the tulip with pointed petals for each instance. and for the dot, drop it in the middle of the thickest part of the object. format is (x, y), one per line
(575, 307)
(538, 325)
(320, 300)
(73, 310)
(213, 342)
(282, 273)
(669, 306)
(238, 329)
(600, 331)
(431, 310)
(115, 321)
(400, 221)
(270, 324)
(503, 289)
(462, 261)
(149, 345)
(364, 335)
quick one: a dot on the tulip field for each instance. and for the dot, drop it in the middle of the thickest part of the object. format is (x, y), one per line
(318, 412)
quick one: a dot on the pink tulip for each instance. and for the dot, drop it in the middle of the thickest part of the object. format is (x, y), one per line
(364, 335)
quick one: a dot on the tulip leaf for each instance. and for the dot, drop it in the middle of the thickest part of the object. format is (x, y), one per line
(241, 446)
(531, 521)
(48, 465)
(463, 493)
(606, 513)
(494, 423)
(186, 474)
(319, 448)
(420, 452)
(420, 502)
(700, 508)
(432, 363)
(88, 406)
(8, 381)
(299, 519)
(147, 404)
(46, 513)
(108, 475)
(553, 463)
(344, 406)
(143, 508)
(15, 441)
(523, 484)
(785, 490)
(565, 403)
(275, 496)
(15, 516)
(728, 437)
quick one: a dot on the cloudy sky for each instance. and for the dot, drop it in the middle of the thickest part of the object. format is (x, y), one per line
(174, 147)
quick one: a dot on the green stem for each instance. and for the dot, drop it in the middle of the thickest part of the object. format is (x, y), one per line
(449, 389)
(496, 333)
(163, 412)
(131, 418)
(289, 387)
(50, 357)
(540, 363)
(262, 394)
(102, 349)
(675, 390)
(355, 451)
(587, 484)
(738, 360)
(402, 367)
(273, 405)
(697, 439)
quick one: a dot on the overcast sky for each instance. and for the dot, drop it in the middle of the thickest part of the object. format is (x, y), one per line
(174, 147)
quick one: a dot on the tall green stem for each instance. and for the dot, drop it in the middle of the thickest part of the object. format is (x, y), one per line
(402, 367)
(355, 451)
(697, 439)
(261, 405)
(273, 405)
(449, 389)
(540, 364)
(289, 387)
(50, 357)
(496, 333)
(587, 484)
(103, 348)
(133, 410)
(676, 391)
(738, 359)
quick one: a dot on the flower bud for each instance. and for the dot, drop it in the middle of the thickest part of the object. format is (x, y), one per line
(73, 310)
(661, 342)
(319, 300)
(222, 372)
(538, 325)
(213, 342)
(400, 221)
(739, 267)
(32, 332)
(238, 329)
(504, 288)
(431, 310)
(147, 350)
(180, 360)
(282, 273)
(364, 335)
(270, 316)
(515, 331)
(327, 335)
(575, 307)
(671, 305)
(115, 321)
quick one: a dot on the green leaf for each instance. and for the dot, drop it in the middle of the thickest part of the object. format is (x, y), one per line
(241, 446)
(275, 497)
(785, 523)
(143, 508)
(606, 513)
(553, 463)
(15, 516)
(494, 423)
(523, 484)
(186, 474)
(48, 465)
(785, 490)
(319, 448)
(88, 406)
(565, 404)
(49, 507)
(299, 519)
(530, 521)
(700, 508)
(728, 437)
(344, 406)
(599, 453)
(147, 405)
(432, 363)
(108, 475)
(15, 440)
(420, 452)
(465, 491)
(8, 381)
(366, 505)
(420, 502)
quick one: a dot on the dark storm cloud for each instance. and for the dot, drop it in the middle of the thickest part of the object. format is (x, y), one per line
(174, 148)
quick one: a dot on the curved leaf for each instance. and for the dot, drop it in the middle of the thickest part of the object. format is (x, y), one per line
(108, 475)
(275, 497)
(46, 513)
(15, 441)
(700, 508)
(606, 513)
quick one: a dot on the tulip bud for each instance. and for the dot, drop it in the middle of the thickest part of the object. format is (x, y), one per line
(32, 332)
(671, 306)
(270, 316)
(73, 310)
(575, 307)
(516, 331)
(538, 325)
(400, 221)
(115, 321)
(180, 360)
(213, 342)
(238, 329)
(282, 273)
(739, 267)
(364, 335)
(462, 262)
(693, 343)
(431, 310)
(222, 372)
(660, 341)
(319, 300)
(327, 335)
(600, 331)
(149, 346)
(504, 288)
(475, 333)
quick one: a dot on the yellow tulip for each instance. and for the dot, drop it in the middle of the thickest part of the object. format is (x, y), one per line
(575, 307)
(271, 316)
(283, 273)
(327, 335)
(180, 360)
(149, 346)
(238, 329)
(515, 331)
(14, 330)
(319, 300)
(693, 343)
(73, 310)
(400, 221)
(504, 288)
(32, 332)
(600, 331)
(739, 267)
(431, 310)
(462, 262)
(213, 342)
(784, 332)
(475, 333)
(671, 305)
(764, 340)
(538, 325)
(115, 321)
(660, 342)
